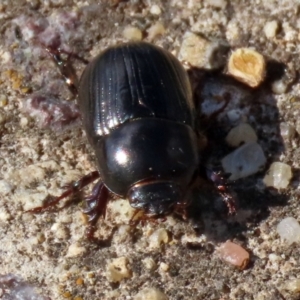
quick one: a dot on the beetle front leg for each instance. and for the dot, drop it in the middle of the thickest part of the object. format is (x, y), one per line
(96, 206)
(221, 184)
(71, 190)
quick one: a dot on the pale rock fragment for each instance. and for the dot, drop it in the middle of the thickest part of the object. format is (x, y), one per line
(289, 230)
(242, 133)
(278, 175)
(247, 66)
(118, 269)
(244, 161)
(200, 52)
(150, 294)
(132, 33)
(234, 254)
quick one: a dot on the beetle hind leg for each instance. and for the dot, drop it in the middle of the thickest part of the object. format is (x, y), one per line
(221, 185)
(95, 206)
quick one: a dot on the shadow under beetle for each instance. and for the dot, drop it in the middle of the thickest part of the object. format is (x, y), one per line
(138, 113)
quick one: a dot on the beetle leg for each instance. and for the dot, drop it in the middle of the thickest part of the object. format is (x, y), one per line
(72, 189)
(96, 206)
(65, 67)
(221, 184)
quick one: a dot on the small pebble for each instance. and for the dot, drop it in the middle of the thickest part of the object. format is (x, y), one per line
(164, 267)
(247, 66)
(75, 250)
(287, 131)
(118, 269)
(278, 176)
(121, 210)
(234, 254)
(4, 216)
(279, 86)
(156, 30)
(149, 263)
(150, 294)
(244, 161)
(289, 230)
(155, 10)
(293, 286)
(270, 29)
(200, 52)
(158, 237)
(132, 33)
(243, 133)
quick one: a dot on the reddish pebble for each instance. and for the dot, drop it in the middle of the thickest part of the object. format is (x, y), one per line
(234, 254)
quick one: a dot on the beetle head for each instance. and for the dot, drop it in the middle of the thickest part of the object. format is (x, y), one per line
(155, 197)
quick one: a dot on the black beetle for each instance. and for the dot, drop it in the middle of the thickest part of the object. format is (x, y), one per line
(138, 113)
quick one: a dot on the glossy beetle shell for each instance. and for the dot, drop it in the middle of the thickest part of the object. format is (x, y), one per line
(138, 113)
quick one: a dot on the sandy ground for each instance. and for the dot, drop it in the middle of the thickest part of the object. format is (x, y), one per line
(43, 148)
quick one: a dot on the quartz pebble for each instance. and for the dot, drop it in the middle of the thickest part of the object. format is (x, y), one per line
(278, 176)
(279, 86)
(287, 131)
(118, 269)
(270, 29)
(158, 237)
(132, 33)
(200, 52)
(244, 161)
(150, 294)
(234, 254)
(289, 230)
(243, 133)
(247, 66)
(155, 10)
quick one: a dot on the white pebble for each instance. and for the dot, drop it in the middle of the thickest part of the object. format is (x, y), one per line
(279, 87)
(75, 250)
(155, 10)
(121, 210)
(132, 33)
(117, 270)
(289, 230)
(287, 131)
(158, 237)
(199, 52)
(270, 29)
(149, 263)
(243, 133)
(244, 161)
(278, 176)
(150, 294)
(4, 216)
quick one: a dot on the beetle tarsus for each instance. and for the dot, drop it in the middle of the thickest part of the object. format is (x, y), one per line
(96, 207)
(71, 190)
